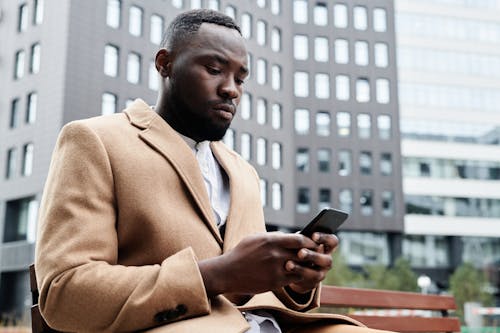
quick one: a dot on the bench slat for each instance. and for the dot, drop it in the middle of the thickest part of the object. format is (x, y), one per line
(410, 324)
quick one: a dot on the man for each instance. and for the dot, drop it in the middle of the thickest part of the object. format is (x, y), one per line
(149, 222)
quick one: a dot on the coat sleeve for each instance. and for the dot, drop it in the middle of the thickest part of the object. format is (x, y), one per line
(82, 288)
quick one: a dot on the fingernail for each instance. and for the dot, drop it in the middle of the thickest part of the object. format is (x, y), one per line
(289, 265)
(302, 254)
(315, 237)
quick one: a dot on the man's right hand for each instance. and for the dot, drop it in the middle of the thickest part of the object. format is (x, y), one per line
(255, 265)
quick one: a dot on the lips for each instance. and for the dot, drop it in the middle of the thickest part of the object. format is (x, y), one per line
(225, 110)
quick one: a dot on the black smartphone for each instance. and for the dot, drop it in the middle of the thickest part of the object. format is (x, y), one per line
(327, 221)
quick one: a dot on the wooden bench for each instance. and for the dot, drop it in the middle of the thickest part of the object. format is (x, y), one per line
(340, 297)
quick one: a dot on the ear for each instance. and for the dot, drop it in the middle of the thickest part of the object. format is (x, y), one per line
(163, 62)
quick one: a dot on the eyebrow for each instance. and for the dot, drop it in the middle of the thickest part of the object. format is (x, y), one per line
(220, 59)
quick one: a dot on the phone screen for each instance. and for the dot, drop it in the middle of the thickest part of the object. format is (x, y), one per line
(327, 221)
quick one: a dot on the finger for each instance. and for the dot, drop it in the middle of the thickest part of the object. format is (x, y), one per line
(309, 276)
(329, 241)
(315, 260)
(292, 241)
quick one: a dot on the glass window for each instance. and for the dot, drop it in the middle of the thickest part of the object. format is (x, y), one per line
(275, 6)
(300, 11)
(320, 14)
(381, 53)
(364, 126)
(300, 47)
(324, 198)
(153, 82)
(108, 105)
(261, 151)
(195, 4)
(365, 163)
(302, 121)
(387, 203)
(263, 192)
(343, 123)
(10, 170)
(361, 52)
(246, 146)
(31, 107)
(246, 106)
(38, 12)
(21, 215)
(246, 25)
(113, 13)
(379, 20)
(323, 124)
(229, 138)
(341, 51)
(134, 68)
(340, 17)
(135, 21)
(276, 39)
(261, 71)
(22, 19)
(301, 84)
(276, 156)
(213, 4)
(14, 113)
(27, 159)
(277, 200)
(156, 28)
(35, 58)
(250, 65)
(385, 164)
(362, 90)
(322, 85)
(342, 91)
(231, 12)
(345, 162)
(261, 111)
(261, 3)
(276, 116)
(19, 64)
(366, 202)
(276, 77)
(111, 60)
(360, 18)
(383, 94)
(177, 3)
(324, 159)
(321, 49)
(261, 32)
(303, 200)
(345, 200)
(384, 127)
(302, 160)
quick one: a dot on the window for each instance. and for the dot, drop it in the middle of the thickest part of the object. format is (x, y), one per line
(250, 65)
(342, 91)
(263, 192)
(365, 163)
(276, 156)
(301, 121)
(108, 105)
(300, 47)
(246, 146)
(275, 7)
(113, 13)
(302, 160)
(261, 151)
(261, 111)
(384, 127)
(385, 164)
(323, 124)
(340, 17)
(20, 220)
(383, 94)
(324, 198)
(27, 159)
(261, 3)
(129, 102)
(246, 106)
(321, 49)
(366, 202)
(301, 84)
(276, 77)
(362, 90)
(343, 124)
(261, 71)
(341, 51)
(22, 19)
(303, 200)
(38, 12)
(300, 11)
(276, 116)
(276, 39)
(135, 21)
(381, 54)
(360, 18)
(379, 20)
(324, 159)
(31, 107)
(320, 14)
(19, 64)
(246, 25)
(134, 68)
(345, 163)
(345, 200)
(322, 85)
(261, 32)
(195, 4)
(14, 113)
(277, 200)
(156, 29)
(111, 60)
(387, 203)
(229, 138)
(213, 4)
(177, 3)
(153, 82)
(364, 126)
(35, 58)
(231, 12)
(361, 57)
(10, 170)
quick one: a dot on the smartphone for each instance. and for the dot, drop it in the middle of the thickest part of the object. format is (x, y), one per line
(327, 221)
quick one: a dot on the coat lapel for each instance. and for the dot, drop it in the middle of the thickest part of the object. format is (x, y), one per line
(161, 137)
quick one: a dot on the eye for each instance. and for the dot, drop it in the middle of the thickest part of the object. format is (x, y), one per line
(239, 82)
(213, 70)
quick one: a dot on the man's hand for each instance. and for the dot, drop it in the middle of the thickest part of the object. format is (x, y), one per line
(312, 265)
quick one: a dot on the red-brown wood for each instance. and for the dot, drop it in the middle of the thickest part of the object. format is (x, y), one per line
(411, 324)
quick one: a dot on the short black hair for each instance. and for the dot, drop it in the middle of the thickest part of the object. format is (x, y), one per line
(188, 23)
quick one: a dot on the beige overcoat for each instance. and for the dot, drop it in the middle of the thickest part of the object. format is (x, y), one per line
(125, 217)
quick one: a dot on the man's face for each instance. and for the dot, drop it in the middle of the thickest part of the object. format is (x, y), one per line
(205, 82)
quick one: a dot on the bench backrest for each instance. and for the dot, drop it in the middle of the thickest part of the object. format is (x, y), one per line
(38, 324)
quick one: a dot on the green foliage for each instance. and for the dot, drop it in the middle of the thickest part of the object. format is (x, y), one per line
(399, 277)
(342, 275)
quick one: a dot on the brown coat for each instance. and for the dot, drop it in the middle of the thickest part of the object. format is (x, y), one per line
(125, 217)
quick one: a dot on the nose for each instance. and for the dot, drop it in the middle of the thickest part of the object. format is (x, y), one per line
(228, 88)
